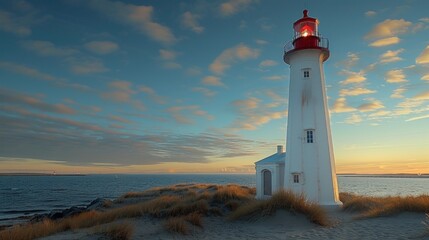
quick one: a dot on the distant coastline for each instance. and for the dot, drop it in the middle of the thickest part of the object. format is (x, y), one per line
(41, 174)
(397, 175)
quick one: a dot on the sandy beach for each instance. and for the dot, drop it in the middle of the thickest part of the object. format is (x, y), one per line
(149, 219)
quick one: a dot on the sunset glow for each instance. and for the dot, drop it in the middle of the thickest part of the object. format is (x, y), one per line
(105, 86)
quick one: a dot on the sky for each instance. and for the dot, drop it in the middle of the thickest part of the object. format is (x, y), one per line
(103, 86)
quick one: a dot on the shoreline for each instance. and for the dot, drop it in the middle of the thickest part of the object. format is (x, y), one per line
(210, 211)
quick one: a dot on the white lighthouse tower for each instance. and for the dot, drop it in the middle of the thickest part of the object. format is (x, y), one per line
(310, 164)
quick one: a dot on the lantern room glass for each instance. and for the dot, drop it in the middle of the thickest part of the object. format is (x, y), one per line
(306, 28)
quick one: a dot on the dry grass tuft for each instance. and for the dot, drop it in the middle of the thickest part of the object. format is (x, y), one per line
(232, 192)
(120, 231)
(181, 204)
(177, 225)
(384, 206)
(195, 219)
(282, 200)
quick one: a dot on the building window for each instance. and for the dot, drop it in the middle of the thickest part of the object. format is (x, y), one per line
(310, 136)
(306, 74)
(296, 178)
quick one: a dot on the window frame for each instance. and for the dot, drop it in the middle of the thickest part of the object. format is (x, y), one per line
(309, 135)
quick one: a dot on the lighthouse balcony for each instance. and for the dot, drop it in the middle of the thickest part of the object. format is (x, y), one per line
(308, 42)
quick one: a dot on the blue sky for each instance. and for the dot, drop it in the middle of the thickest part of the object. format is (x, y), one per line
(200, 86)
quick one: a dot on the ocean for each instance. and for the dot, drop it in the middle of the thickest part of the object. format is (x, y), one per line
(29, 195)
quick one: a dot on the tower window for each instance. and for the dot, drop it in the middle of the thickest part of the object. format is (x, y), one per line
(295, 178)
(310, 136)
(306, 74)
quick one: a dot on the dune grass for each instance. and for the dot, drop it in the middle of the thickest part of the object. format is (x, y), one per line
(368, 207)
(120, 231)
(184, 202)
(281, 200)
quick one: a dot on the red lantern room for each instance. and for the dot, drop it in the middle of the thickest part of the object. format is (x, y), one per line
(306, 36)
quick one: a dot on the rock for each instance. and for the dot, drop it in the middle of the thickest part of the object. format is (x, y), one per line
(98, 203)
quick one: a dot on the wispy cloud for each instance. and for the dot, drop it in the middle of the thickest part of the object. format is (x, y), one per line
(152, 94)
(9, 22)
(355, 91)
(395, 76)
(423, 58)
(212, 81)
(352, 77)
(389, 28)
(190, 21)
(86, 65)
(275, 77)
(183, 114)
(422, 96)
(46, 48)
(353, 119)
(12, 98)
(168, 57)
(417, 118)
(268, 63)
(232, 55)
(205, 91)
(340, 106)
(138, 16)
(102, 47)
(35, 73)
(350, 61)
(385, 42)
(372, 105)
(397, 93)
(391, 56)
(252, 114)
(232, 7)
(370, 13)
(123, 92)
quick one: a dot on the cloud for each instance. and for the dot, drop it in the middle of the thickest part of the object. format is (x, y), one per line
(10, 23)
(232, 55)
(275, 77)
(12, 98)
(212, 81)
(138, 16)
(152, 94)
(355, 91)
(87, 66)
(391, 56)
(417, 118)
(385, 42)
(397, 93)
(423, 58)
(389, 28)
(181, 114)
(353, 119)
(122, 91)
(34, 73)
(395, 76)
(46, 48)
(190, 21)
(37, 136)
(422, 96)
(352, 59)
(252, 114)
(370, 13)
(352, 77)
(261, 42)
(205, 91)
(268, 63)
(232, 7)
(371, 106)
(119, 119)
(102, 47)
(380, 113)
(425, 77)
(340, 106)
(168, 57)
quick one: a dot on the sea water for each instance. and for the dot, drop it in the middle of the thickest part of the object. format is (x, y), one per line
(29, 195)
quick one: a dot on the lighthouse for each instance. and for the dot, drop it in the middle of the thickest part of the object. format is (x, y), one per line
(310, 164)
